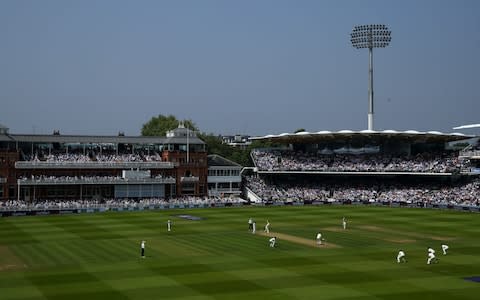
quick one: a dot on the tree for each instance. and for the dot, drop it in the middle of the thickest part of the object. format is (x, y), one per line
(216, 146)
(300, 130)
(158, 126)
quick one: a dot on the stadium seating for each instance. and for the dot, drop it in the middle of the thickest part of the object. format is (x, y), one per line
(287, 160)
(460, 194)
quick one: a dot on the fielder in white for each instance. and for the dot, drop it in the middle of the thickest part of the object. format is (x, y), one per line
(272, 241)
(169, 225)
(254, 227)
(142, 249)
(431, 256)
(344, 223)
(401, 257)
(267, 227)
(319, 238)
(444, 249)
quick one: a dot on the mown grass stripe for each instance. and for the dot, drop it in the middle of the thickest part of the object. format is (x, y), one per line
(31, 255)
(217, 258)
(64, 255)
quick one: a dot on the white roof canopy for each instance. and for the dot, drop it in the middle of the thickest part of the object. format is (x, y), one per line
(324, 134)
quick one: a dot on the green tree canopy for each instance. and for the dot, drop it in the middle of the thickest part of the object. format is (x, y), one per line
(158, 126)
(240, 156)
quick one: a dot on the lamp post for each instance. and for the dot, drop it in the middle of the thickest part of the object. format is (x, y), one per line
(370, 36)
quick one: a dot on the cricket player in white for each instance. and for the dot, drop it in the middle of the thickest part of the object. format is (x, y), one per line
(169, 225)
(431, 255)
(267, 227)
(344, 223)
(272, 241)
(444, 249)
(319, 238)
(250, 224)
(401, 257)
(142, 247)
(254, 227)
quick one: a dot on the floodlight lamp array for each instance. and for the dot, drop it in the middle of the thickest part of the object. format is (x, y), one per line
(370, 36)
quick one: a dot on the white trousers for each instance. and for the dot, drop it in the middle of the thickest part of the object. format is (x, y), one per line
(444, 249)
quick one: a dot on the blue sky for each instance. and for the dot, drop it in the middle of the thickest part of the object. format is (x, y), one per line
(250, 67)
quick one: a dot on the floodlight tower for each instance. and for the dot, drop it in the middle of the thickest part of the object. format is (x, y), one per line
(370, 36)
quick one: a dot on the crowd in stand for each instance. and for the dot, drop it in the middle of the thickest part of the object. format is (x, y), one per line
(88, 158)
(55, 179)
(79, 158)
(285, 193)
(286, 160)
(119, 158)
(87, 179)
(459, 194)
(464, 194)
(113, 203)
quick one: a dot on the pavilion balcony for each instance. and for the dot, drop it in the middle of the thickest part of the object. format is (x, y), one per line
(36, 165)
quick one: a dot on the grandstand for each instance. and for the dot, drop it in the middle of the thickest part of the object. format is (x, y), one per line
(408, 167)
(79, 167)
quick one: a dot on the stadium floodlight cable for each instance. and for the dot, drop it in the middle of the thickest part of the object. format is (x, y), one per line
(370, 36)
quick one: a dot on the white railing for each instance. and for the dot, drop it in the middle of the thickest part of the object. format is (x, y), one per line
(94, 181)
(92, 165)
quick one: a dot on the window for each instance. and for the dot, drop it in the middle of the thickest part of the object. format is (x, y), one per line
(11, 192)
(224, 185)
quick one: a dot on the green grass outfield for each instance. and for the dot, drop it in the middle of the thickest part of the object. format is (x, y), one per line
(97, 256)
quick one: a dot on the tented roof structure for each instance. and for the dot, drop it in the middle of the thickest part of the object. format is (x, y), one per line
(328, 136)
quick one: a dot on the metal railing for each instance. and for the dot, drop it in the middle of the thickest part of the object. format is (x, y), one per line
(92, 165)
(94, 181)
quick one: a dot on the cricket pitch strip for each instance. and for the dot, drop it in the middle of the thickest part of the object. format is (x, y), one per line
(298, 240)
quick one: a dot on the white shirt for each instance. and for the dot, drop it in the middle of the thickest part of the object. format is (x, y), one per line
(272, 239)
(401, 253)
(319, 236)
(143, 244)
(430, 250)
